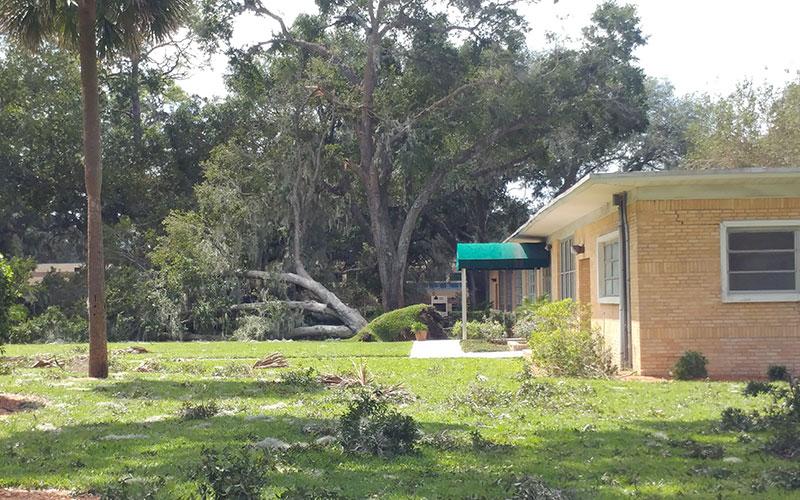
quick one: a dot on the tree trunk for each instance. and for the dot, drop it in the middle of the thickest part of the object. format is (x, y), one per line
(349, 316)
(338, 331)
(305, 305)
(136, 102)
(98, 349)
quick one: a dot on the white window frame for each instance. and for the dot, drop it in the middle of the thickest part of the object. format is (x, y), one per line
(602, 240)
(763, 296)
(570, 276)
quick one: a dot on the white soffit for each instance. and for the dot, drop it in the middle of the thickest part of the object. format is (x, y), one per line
(595, 192)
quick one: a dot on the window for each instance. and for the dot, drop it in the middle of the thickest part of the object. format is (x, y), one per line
(566, 270)
(517, 289)
(608, 268)
(530, 292)
(547, 283)
(760, 261)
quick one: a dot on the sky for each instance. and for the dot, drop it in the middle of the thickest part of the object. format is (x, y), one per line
(701, 46)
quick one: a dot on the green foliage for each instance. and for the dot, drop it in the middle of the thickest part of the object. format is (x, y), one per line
(51, 326)
(7, 298)
(487, 329)
(756, 387)
(231, 474)
(393, 325)
(690, 366)
(371, 426)
(272, 321)
(562, 340)
(777, 373)
(736, 419)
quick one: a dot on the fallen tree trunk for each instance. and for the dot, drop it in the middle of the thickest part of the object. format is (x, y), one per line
(336, 331)
(349, 316)
(305, 305)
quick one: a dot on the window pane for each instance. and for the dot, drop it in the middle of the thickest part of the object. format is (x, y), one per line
(761, 281)
(761, 261)
(761, 240)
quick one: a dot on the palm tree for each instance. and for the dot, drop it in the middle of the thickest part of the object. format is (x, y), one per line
(96, 29)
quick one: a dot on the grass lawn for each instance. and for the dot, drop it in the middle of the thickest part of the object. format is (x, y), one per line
(480, 345)
(597, 438)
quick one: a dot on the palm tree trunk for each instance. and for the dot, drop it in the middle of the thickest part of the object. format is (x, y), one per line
(98, 349)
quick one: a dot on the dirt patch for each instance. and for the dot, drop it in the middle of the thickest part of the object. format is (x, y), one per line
(42, 495)
(13, 403)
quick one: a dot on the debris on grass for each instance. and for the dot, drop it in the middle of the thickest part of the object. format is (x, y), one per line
(198, 411)
(134, 349)
(47, 363)
(325, 440)
(272, 444)
(148, 366)
(49, 494)
(47, 427)
(123, 437)
(155, 418)
(274, 360)
(699, 450)
(13, 403)
(535, 488)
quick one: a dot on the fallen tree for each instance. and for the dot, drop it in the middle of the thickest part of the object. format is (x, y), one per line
(328, 302)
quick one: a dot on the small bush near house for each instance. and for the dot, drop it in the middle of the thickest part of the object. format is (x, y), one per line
(755, 387)
(399, 324)
(563, 342)
(690, 366)
(371, 426)
(486, 329)
(231, 473)
(51, 326)
(777, 373)
(736, 419)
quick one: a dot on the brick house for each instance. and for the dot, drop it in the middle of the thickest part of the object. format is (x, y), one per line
(713, 265)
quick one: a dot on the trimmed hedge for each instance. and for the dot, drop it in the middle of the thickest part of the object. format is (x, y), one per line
(393, 325)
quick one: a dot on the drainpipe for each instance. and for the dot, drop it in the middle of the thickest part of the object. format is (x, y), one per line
(621, 202)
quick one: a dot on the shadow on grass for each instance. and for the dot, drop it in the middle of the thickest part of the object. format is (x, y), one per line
(150, 388)
(634, 460)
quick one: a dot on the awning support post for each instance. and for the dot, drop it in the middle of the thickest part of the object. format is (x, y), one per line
(464, 303)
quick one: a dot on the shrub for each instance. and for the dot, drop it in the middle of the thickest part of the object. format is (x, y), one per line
(755, 387)
(8, 296)
(736, 419)
(487, 329)
(690, 366)
(371, 426)
(231, 473)
(393, 325)
(51, 326)
(776, 373)
(562, 340)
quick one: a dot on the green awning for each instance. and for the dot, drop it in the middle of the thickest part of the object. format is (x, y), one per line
(500, 256)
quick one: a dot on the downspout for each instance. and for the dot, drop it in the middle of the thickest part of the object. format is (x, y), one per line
(621, 202)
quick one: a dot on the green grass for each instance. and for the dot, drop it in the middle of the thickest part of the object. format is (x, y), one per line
(481, 345)
(599, 438)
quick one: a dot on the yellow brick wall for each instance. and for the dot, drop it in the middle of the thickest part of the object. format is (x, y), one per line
(605, 317)
(676, 280)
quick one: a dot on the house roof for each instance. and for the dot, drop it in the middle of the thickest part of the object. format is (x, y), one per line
(594, 192)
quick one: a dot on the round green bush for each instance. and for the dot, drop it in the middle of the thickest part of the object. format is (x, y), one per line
(690, 366)
(393, 325)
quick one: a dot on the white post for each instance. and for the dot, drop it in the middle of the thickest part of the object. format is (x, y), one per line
(464, 303)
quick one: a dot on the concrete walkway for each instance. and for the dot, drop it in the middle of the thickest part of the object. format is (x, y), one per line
(452, 349)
